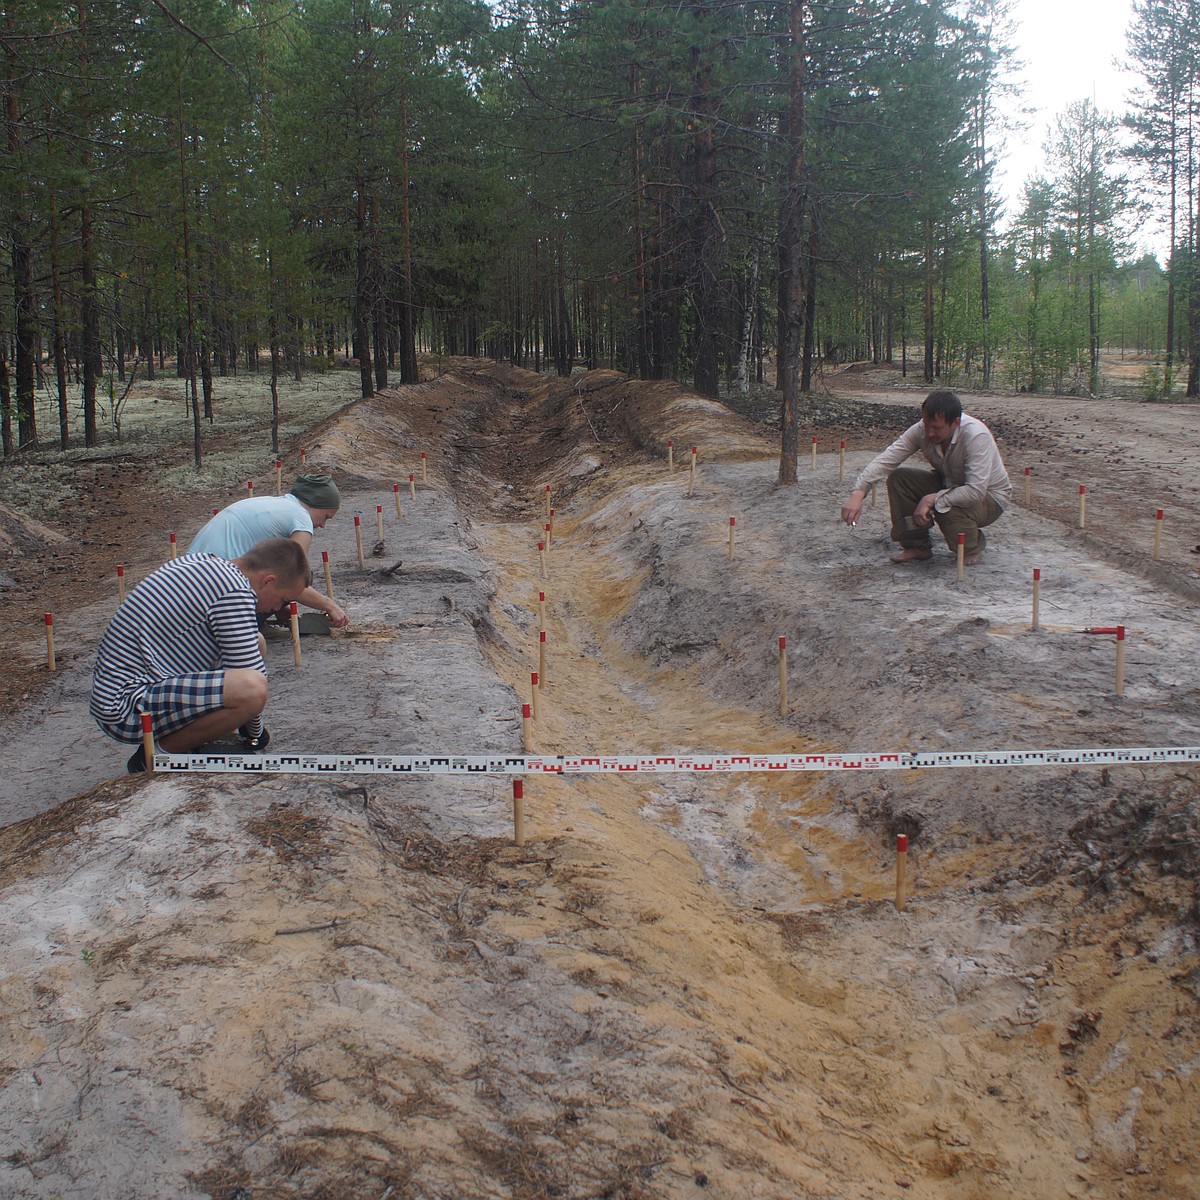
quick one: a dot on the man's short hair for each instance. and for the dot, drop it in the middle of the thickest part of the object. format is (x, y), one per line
(281, 557)
(943, 403)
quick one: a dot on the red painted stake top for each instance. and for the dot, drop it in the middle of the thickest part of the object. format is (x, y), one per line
(732, 520)
(215, 511)
(357, 519)
(422, 453)
(525, 712)
(1158, 516)
(518, 789)
(1082, 488)
(843, 443)
(147, 723)
(693, 449)
(1028, 470)
(1037, 572)
(962, 539)
(533, 678)
(395, 487)
(1120, 633)
(783, 643)
(324, 555)
(670, 442)
(49, 618)
(120, 569)
(547, 527)
(541, 635)
(541, 547)
(814, 439)
(411, 478)
(279, 464)
(379, 508)
(542, 596)
(249, 485)
(902, 843)
(173, 538)
(547, 487)
(292, 608)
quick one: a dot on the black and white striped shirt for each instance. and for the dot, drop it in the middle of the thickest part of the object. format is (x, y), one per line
(195, 613)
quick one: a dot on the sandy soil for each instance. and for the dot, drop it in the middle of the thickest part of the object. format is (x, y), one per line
(359, 987)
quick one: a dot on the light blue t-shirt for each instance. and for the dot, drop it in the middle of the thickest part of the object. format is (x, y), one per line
(235, 529)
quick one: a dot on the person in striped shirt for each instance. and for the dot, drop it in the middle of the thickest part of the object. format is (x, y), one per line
(185, 648)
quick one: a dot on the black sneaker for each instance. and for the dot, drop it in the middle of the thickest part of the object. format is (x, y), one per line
(254, 745)
(137, 762)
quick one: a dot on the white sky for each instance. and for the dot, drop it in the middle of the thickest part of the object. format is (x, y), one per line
(1069, 48)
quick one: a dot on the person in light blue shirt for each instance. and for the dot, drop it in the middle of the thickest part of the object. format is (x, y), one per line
(312, 501)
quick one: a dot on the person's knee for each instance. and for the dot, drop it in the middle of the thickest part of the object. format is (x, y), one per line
(246, 689)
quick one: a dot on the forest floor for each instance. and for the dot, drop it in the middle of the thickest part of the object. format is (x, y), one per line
(357, 986)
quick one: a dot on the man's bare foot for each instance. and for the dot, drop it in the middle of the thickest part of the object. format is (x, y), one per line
(912, 555)
(973, 560)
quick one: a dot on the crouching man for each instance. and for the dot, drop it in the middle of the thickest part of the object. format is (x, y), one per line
(185, 648)
(964, 487)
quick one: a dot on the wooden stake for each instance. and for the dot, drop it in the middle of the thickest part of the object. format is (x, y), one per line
(519, 811)
(692, 472)
(783, 699)
(814, 452)
(358, 540)
(174, 546)
(412, 487)
(526, 728)
(1082, 506)
(670, 455)
(1120, 660)
(550, 530)
(396, 493)
(279, 477)
(49, 641)
(1028, 488)
(424, 468)
(121, 582)
(549, 510)
(842, 461)
(1158, 520)
(1037, 588)
(732, 522)
(541, 610)
(328, 576)
(379, 522)
(250, 488)
(294, 621)
(960, 552)
(542, 557)
(901, 869)
(303, 452)
(546, 531)
(534, 690)
(148, 741)
(542, 655)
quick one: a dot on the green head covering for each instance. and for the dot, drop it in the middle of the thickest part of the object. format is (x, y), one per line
(317, 491)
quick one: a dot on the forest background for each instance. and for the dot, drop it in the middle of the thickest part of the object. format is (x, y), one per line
(727, 193)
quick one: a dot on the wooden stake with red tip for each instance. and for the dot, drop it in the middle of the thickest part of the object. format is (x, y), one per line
(542, 557)
(412, 487)
(303, 454)
(121, 583)
(519, 811)
(526, 728)
(1120, 682)
(250, 489)
(358, 540)
(550, 530)
(294, 621)
(1158, 520)
(670, 455)
(534, 690)
(1028, 488)
(49, 641)
(328, 576)
(1037, 588)
(814, 452)
(541, 610)
(542, 655)
(424, 468)
(1082, 506)
(692, 472)
(732, 523)
(396, 493)
(960, 554)
(549, 510)
(901, 869)
(174, 546)
(279, 477)
(379, 522)
(783, 696)
(148, 741)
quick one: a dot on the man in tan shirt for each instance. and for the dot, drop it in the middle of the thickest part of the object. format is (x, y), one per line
(964, 488)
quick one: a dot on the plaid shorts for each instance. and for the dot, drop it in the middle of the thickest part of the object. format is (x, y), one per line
(172, 704)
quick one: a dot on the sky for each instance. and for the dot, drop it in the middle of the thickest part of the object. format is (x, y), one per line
(1069, 47)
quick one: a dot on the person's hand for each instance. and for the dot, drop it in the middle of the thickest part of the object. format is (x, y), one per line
(923, 513)
(852, 509)
(337, 617)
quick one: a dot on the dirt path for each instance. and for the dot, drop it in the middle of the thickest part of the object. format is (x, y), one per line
(356, 986)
